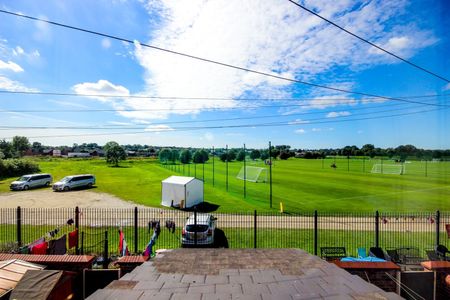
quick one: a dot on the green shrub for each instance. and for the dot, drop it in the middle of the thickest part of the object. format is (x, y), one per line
(17, 167)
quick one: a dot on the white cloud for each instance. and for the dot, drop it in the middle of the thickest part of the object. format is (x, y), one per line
(18, 51)
(298, 121)
(331, 101)
(106, 43)
(289, 42)
(12, 85)
(208, 136)
(335, 114)
(11, 66)
(67, 103)
(300, 131)
(158, 128)
(322, 129)
(101, 87)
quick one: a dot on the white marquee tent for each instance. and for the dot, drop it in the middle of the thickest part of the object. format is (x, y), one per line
(181, 191)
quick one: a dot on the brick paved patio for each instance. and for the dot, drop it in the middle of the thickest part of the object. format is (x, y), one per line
(239, 274)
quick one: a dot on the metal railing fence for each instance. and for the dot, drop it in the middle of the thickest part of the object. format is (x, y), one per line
(98, 229)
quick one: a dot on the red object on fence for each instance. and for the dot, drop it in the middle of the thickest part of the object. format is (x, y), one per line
(447, 228)
(40, 248)
(73, 238)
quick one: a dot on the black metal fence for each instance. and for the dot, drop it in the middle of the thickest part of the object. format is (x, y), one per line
(98, 229)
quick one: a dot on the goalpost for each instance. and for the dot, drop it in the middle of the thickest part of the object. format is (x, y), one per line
(397, 169)
(253, 174)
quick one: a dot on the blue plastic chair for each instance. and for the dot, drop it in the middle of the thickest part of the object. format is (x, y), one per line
(362, 252)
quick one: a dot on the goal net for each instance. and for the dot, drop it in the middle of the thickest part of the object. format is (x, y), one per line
(253, 174)
(397, 169)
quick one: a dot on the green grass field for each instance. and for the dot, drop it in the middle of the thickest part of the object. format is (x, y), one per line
(302, 185)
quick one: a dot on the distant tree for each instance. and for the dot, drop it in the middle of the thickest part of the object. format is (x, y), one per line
(264, 155)
(255, 154)
(7, 149)
(185, 156)
(175, 155)
(114, 153)
(369, 150)
(165, 155)
(223, 156)
(240, 156)
(20, 144)
(1, 155)
(37, 148)
(284, 155)
(201, 156)
(232, 155)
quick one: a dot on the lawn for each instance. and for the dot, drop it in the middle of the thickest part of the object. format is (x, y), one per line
(302, 185)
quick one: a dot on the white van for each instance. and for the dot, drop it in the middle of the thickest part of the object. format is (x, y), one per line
(31, 181)
(74, 181)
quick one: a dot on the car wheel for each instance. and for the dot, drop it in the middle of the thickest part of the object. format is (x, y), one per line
(89, 185)
(25, 188)
(47, 184)
(66, 188)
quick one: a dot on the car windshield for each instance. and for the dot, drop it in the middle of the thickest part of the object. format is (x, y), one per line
(65, 179)
(23, 178)
(196, 228)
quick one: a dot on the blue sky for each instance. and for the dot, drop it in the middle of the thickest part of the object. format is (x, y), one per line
(270, 36)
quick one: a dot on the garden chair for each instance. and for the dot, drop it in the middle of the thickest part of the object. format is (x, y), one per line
(362, 252)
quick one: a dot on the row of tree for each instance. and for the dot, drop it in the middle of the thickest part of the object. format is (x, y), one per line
(20, 146)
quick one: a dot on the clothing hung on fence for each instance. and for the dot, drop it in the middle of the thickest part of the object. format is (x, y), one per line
(53, 233)
(36, 242)
(73, 238)
(170, 225)
(57, 247)
(40, 248)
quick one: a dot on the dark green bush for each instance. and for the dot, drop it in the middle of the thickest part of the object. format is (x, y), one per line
(17, 167)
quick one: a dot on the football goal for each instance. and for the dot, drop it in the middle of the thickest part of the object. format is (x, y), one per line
(253, 174)
(397, 169)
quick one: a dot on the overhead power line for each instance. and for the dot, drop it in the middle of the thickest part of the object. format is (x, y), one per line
(323, 102)
(236, 126)
(204, 59)
(295, 122)
(199, 98)
(370, 43)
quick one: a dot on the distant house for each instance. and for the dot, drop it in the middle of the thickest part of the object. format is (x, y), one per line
(131, 153)
(97, 152)
(57, 153)
(78, 154)
(47, 152)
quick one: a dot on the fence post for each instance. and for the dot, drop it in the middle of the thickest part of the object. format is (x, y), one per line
(105, 252)
(135, 229)
(377, 229)
(82, 244)
(195, 226)
(254, 229)
(315, 232)
(438, 225)
(19, 226)
(77, 225)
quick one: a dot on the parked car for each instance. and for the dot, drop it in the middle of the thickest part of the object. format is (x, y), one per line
(204, 228)
(74, 181)
(31, 181)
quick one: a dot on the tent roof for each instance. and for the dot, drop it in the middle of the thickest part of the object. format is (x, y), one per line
(36, 284)
(12, 271)
(178, 179)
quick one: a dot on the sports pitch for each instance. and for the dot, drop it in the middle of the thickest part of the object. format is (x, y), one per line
(300, 184)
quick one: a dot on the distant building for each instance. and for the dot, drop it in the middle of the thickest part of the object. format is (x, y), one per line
(57, 153)
(78, 154)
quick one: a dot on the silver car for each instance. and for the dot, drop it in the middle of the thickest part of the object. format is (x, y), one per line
(203, 229)
(74, 181)
(31, 181)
